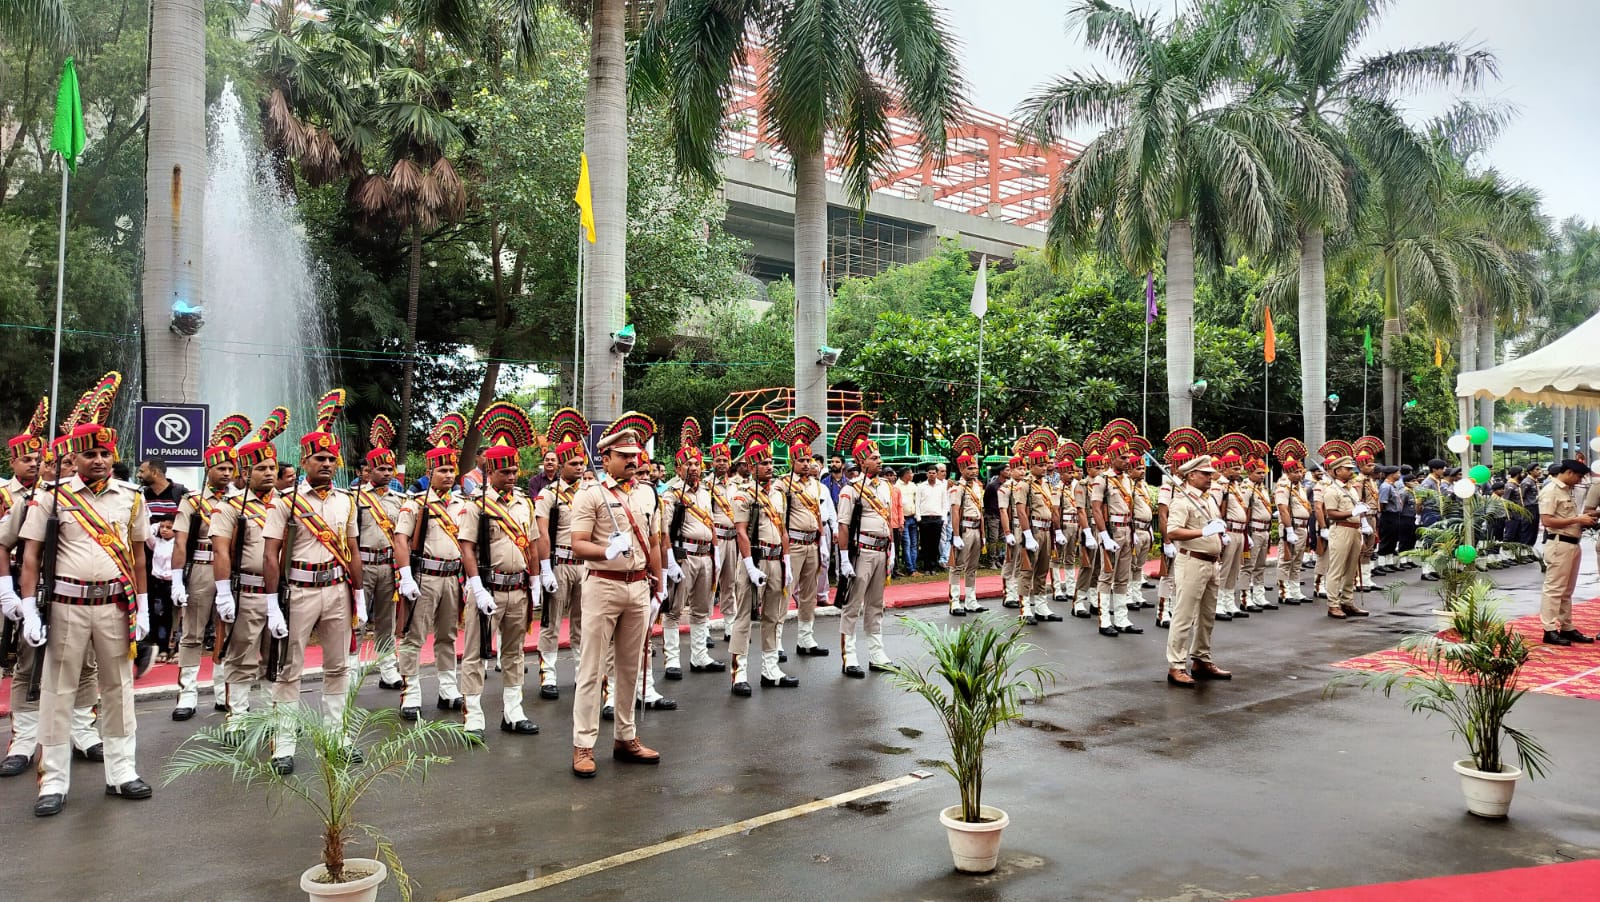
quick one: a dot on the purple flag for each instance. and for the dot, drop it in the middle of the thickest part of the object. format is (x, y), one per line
(1151, 311)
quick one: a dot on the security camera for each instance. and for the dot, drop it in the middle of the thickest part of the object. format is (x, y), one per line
(186, 319)
(827, 356)
(622, 340)
(1198, 388)
(1333, 402)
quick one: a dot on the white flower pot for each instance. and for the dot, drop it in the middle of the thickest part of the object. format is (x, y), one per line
(363, 890)
(1488, 795)
(975, 847)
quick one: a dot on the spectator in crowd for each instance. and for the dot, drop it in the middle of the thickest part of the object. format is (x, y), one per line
(1408, 514)
(287, 476)
(120, 471)
(547, 472)
(906, 488)
(835, 478)
(991, 516)
(160, 544)
(1390, 504)
(933, 501)
(161, 495)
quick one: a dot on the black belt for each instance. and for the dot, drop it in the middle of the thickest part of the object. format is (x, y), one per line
(1198, 555)
(1570, 540)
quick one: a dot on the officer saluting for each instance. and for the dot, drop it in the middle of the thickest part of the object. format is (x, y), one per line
(99, 528)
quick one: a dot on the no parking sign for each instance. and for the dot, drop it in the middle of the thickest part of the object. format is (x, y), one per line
(175, 433)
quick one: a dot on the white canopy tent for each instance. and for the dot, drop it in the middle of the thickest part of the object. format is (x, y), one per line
(1564, 373)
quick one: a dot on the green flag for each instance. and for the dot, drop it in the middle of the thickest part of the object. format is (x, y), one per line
(69, 138)
(1366, 345)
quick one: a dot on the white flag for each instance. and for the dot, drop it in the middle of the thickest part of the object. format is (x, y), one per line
(980, 289)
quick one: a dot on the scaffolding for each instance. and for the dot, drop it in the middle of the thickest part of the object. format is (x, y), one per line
(861, 247)
(893, 437)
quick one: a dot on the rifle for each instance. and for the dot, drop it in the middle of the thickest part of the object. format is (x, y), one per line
(555, 526)
(45, 590)
(753, 529)
(278, 649)
(485, 571)
(675, 541)
(225, 632)
(9, 629)
(418, 539)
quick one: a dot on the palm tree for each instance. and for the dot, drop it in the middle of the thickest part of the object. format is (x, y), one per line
(605, 143)
(1181, 166)
(40, 29)
(839, 70)
(1349, 104)
(46, 22)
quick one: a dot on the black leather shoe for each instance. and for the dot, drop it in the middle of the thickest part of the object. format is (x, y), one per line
(283, 766)
(783, 682)
(1224, 615)
(219, 706)
(142, 660)
(1030, 620)
(1575, 636)
(1552, 637)
(14, 765)
(1053, 617)
(662, 704)
(855, 672)
(1008, 603)
(549, 691)
(522, 727)
(1130, 630)
(451, 704)
(182, 713)
(133, 789)
(674, 673)
(410, 713)
(49, 805)
(96, 752)
(815, 651)
(958, 612)
(391, 686)
(1253, 608)
(476, 734)
(1269, 606)
(742, 689)
(783, 656)
(1241, 614)
(608, 713)
(1080, 612)
(1111, 631)
(709, 667)
(880, 668)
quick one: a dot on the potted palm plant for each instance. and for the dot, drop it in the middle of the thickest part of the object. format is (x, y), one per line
(350, 756)
(1469, 675)
(976, 685)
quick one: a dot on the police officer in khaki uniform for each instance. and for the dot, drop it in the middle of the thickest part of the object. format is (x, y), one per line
(1258, 510)
(378, 512)
(1111, 499)
(729, 583)
(1296, 519)
(1226, 491)
(1089, 560)
(615, 530)
(803, 522)
(504, 595)
(1144, 514)
(560, 571)
(1341, 508)
(238, 572)
(1196, 527)
(1183, 445)
(865, 546)
(1016, 468)
(1563, 528)
(966, 525)
(1074, 520)
(1039, 523)
(692, 536)
(99, 587)
(425, 539)
(313, 528)
(758, 516)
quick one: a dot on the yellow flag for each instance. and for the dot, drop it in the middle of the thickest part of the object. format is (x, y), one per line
(1438, 352)
(584, 198)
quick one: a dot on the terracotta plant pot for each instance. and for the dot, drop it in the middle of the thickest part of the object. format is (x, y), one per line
(975, 847)
(1488, 794)
(362, 890)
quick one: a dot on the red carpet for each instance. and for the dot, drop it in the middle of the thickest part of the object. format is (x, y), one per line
(1573, 672)
(1546, 883)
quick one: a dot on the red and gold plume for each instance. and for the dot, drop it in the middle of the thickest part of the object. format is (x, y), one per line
(505, 428)
(231, 430)
(852, 439)
(329, 406)
(968, 448)
(41, 418)
(1367, 447)
(1184, 443)
(1290, 452)
(1233, 448)
(1335, 448)
(689, 442)
(31, 439)
(568, 425)
(273, 425)
(754, 432)
(1041, 444)
(640, 424)
(798, 434)
(444, 439)
(1067, 454)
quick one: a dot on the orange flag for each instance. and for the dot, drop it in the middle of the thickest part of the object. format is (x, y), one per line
(1438, 352)
(1270, 341)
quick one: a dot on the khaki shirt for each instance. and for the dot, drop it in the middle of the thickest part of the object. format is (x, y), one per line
(804, 500)
(438, 543)
(1337, 497)
(555, 504)
(1257, 507)
(1292, 495)
(336, 506)
(78, 555)
(967, 498)
(769, 529)
(1228, 500)
(224, 521)
(505, 555)
(1143, 507)
(10, 492)
(1003, 498)
(202, 507)
(1555, 500)
(17, 497)
(1117, 495)
(722, 492)
(872, 522)
(696, 504)
(374, 535)
(592, 512)
(1191, 508)
(1041, 508)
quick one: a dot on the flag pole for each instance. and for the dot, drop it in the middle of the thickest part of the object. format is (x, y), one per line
(61, 285)
(1364, 396)
(1266, 401)
(577, 328)
(977, 418)
(1144, 393)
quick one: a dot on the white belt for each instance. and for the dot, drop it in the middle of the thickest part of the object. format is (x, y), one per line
(203, 557)
(1264, 524)
(804, 538)
(971, 524)
(507, 582)
(377, 557)
(697, 547)
(1117, 518)
(874, 543)
(110, 589)
(252, 580)
(723, 532)
(1042, 524)
(317, 577)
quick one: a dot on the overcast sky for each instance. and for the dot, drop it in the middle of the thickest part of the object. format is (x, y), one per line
(1549, 69)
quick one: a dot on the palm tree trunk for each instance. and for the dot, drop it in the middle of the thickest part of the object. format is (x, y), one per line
(1467, 359)
(1391, 373)
(409, 367)
(810, 288)
(1313, 338)
(1558, 432)
(175, 184)
(1486, 357)
(605, 140)
(1180, 323)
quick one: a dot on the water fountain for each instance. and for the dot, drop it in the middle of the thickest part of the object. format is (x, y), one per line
(265, 340)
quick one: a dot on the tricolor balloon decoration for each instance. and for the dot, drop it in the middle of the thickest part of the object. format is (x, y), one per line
(1478, 435)
(1457, 444)
(1466, 554)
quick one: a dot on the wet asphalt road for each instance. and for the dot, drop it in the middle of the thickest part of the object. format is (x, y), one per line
(1117, 786)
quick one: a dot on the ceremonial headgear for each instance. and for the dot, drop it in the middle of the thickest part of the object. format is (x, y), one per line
(566, 434)
(852, 438)
(1067, 454)
(628, 435)
(1335, 448)
(1114, 438)
(1093, 444)
(322, 439)
(754, 432)
(1291, 453)
(89, 418)
(1184, 444)
(225, 438)
(967, 447)
(689, 443)
(444, 440)
(31, 439)
(1367, 447)
(261, 449)
(381, 438)
(505, 429)
(1041, 445)
(798, 435)
(1138, 447)
(1232, 449)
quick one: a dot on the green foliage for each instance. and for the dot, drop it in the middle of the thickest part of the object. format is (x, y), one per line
(976, 684)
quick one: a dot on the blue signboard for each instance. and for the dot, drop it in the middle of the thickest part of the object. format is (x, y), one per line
(175, 433)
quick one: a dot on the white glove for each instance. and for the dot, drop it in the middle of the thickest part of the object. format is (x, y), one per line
(1360, 510)
(1108, 543)
(276, 625)
(1290, 536)
(673, 571)
(956, 543)
(180, 593)
(657, 603)
(1366, 528)
(224, 603)
(483, 597)
(1169, 549)
(33, 631)
(360, 596)
(616, 546)
(1011, 539)
(845, 569)
(141, 617)
(535, 594)
(1030, 542)
(1226, 539)
(758, 578)
(788, 572)
(1323, 533)
(1214, 528)
(716, 558)
(547, 576)
(1061, 537)
(408, 585)
(1089, 541)
(10, 604)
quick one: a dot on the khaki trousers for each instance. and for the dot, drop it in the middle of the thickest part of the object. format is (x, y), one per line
(1291, 558)
(866, 595)
(1560, 578)
(774, 606)
(1230, 561)
(378, 581)
(194, 616)
(804, 559)
(1008, 569)
(434, 613)
(324, 610)
(692, 594)
(614, 625)
(565, 603)
(1035, 580)
(76, 633)
(964, 562)
(730, 581)
(242, 653)
(22, 675)
(1344, 565)
(1143, 540)
(1114, 579)
(1195, 611)
(1088, 569)
(1256, 567)
(509, 623)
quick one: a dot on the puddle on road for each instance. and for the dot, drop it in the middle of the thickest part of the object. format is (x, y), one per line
(1043, 725)
(929, 762)
(910, 732)
(884, 749)
(1073, 745)
(871, 809)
